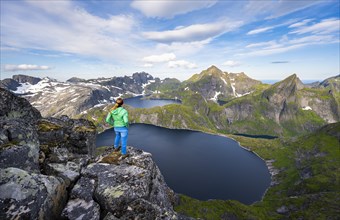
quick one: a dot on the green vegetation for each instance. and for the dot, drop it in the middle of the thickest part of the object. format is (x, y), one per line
(307, 183)
(45, 126)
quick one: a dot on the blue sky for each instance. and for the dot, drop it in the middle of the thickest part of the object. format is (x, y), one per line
(269, 39)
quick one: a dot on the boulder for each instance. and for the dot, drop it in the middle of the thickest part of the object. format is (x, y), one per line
(131, 186)
(25, 195)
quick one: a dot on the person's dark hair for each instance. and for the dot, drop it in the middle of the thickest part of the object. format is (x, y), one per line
(119, 102)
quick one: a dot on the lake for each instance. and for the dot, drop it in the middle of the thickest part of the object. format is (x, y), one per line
(139, 102)
(200, 165)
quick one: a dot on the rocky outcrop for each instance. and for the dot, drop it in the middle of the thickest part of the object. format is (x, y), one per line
(26, 79)
(48, 171)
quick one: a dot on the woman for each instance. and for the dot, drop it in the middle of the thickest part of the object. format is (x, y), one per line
(121, 124)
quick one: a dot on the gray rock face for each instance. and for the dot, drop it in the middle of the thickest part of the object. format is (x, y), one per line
(128, 188)
(15, 107)
(9, 84)
(25, 195)
(26, 79)
(47, 171)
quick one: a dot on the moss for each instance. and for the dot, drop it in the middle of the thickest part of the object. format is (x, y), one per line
(46, 126)
(9, 144)
(85, 128)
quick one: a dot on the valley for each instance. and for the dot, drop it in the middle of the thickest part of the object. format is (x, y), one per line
(303, 160)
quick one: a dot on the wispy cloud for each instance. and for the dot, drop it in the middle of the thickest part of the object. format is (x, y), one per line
(160, 58)
(61, 26)
(169, 9)
(324, 27)
(182, 63)
(11, 67)
(231, 63)
(196, 32)
(259, 30)
(301, 23)
(286, 44)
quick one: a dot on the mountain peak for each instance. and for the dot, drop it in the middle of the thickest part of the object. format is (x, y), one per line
(213, 69)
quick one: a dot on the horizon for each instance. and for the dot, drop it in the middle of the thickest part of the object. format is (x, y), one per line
(170, 39)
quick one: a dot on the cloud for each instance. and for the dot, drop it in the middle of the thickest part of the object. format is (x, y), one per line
(285, 44)
(259, 30)
(301, 23)
(231, 63)
(11, 67)
(61, 26)
(324, 27)
(182, 63)
(148, 65)
(165, 57)
(196, 32)
(261, 44)
(279, 62)
(169, 9)
(275, 9)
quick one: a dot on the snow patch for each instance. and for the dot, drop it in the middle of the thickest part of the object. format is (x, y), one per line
(306, 108)
(224, 81)
(215, 96)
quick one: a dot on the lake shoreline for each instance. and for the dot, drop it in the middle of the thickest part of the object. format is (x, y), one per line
(268, 163)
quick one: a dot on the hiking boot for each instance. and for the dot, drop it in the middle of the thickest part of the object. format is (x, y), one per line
(124, 156)
(116, 149)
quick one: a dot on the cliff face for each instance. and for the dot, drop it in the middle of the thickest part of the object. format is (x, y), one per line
(48, 171)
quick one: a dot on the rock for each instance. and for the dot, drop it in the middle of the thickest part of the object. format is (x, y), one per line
(19, 145)
(26, 79)
(13, 107)
(134, 183)
(30, 196)
(45, 171)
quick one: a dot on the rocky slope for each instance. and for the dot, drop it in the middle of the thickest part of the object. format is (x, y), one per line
(213, 84)
(48, 171)
(53, 98)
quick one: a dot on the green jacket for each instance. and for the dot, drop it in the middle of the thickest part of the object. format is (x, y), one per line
(120, 117)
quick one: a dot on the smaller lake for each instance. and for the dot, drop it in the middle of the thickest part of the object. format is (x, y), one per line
(139, 102)
(200, 165)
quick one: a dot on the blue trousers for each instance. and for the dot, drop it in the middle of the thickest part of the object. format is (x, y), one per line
(121, 135)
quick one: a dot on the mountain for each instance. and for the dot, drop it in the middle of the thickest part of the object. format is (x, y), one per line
(213, 84)
(48, 170)
(213, 101)
(332, 83)
(53, 98)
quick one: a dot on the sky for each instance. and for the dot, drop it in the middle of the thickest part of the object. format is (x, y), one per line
(266, 39)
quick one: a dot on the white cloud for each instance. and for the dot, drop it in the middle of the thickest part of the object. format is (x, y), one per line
(182, 63)
(324, 27)
(196, 32)
(168, 9)
(285, 44)
(60, 26)
(301, 23)
(259, 30)
(148, 65)
(231, 63)
(165, 57)
(275, 9)
(261, 44)
(11, 67)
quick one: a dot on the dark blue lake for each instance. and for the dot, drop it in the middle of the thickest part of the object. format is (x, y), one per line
(200, 165)
(139, 102)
